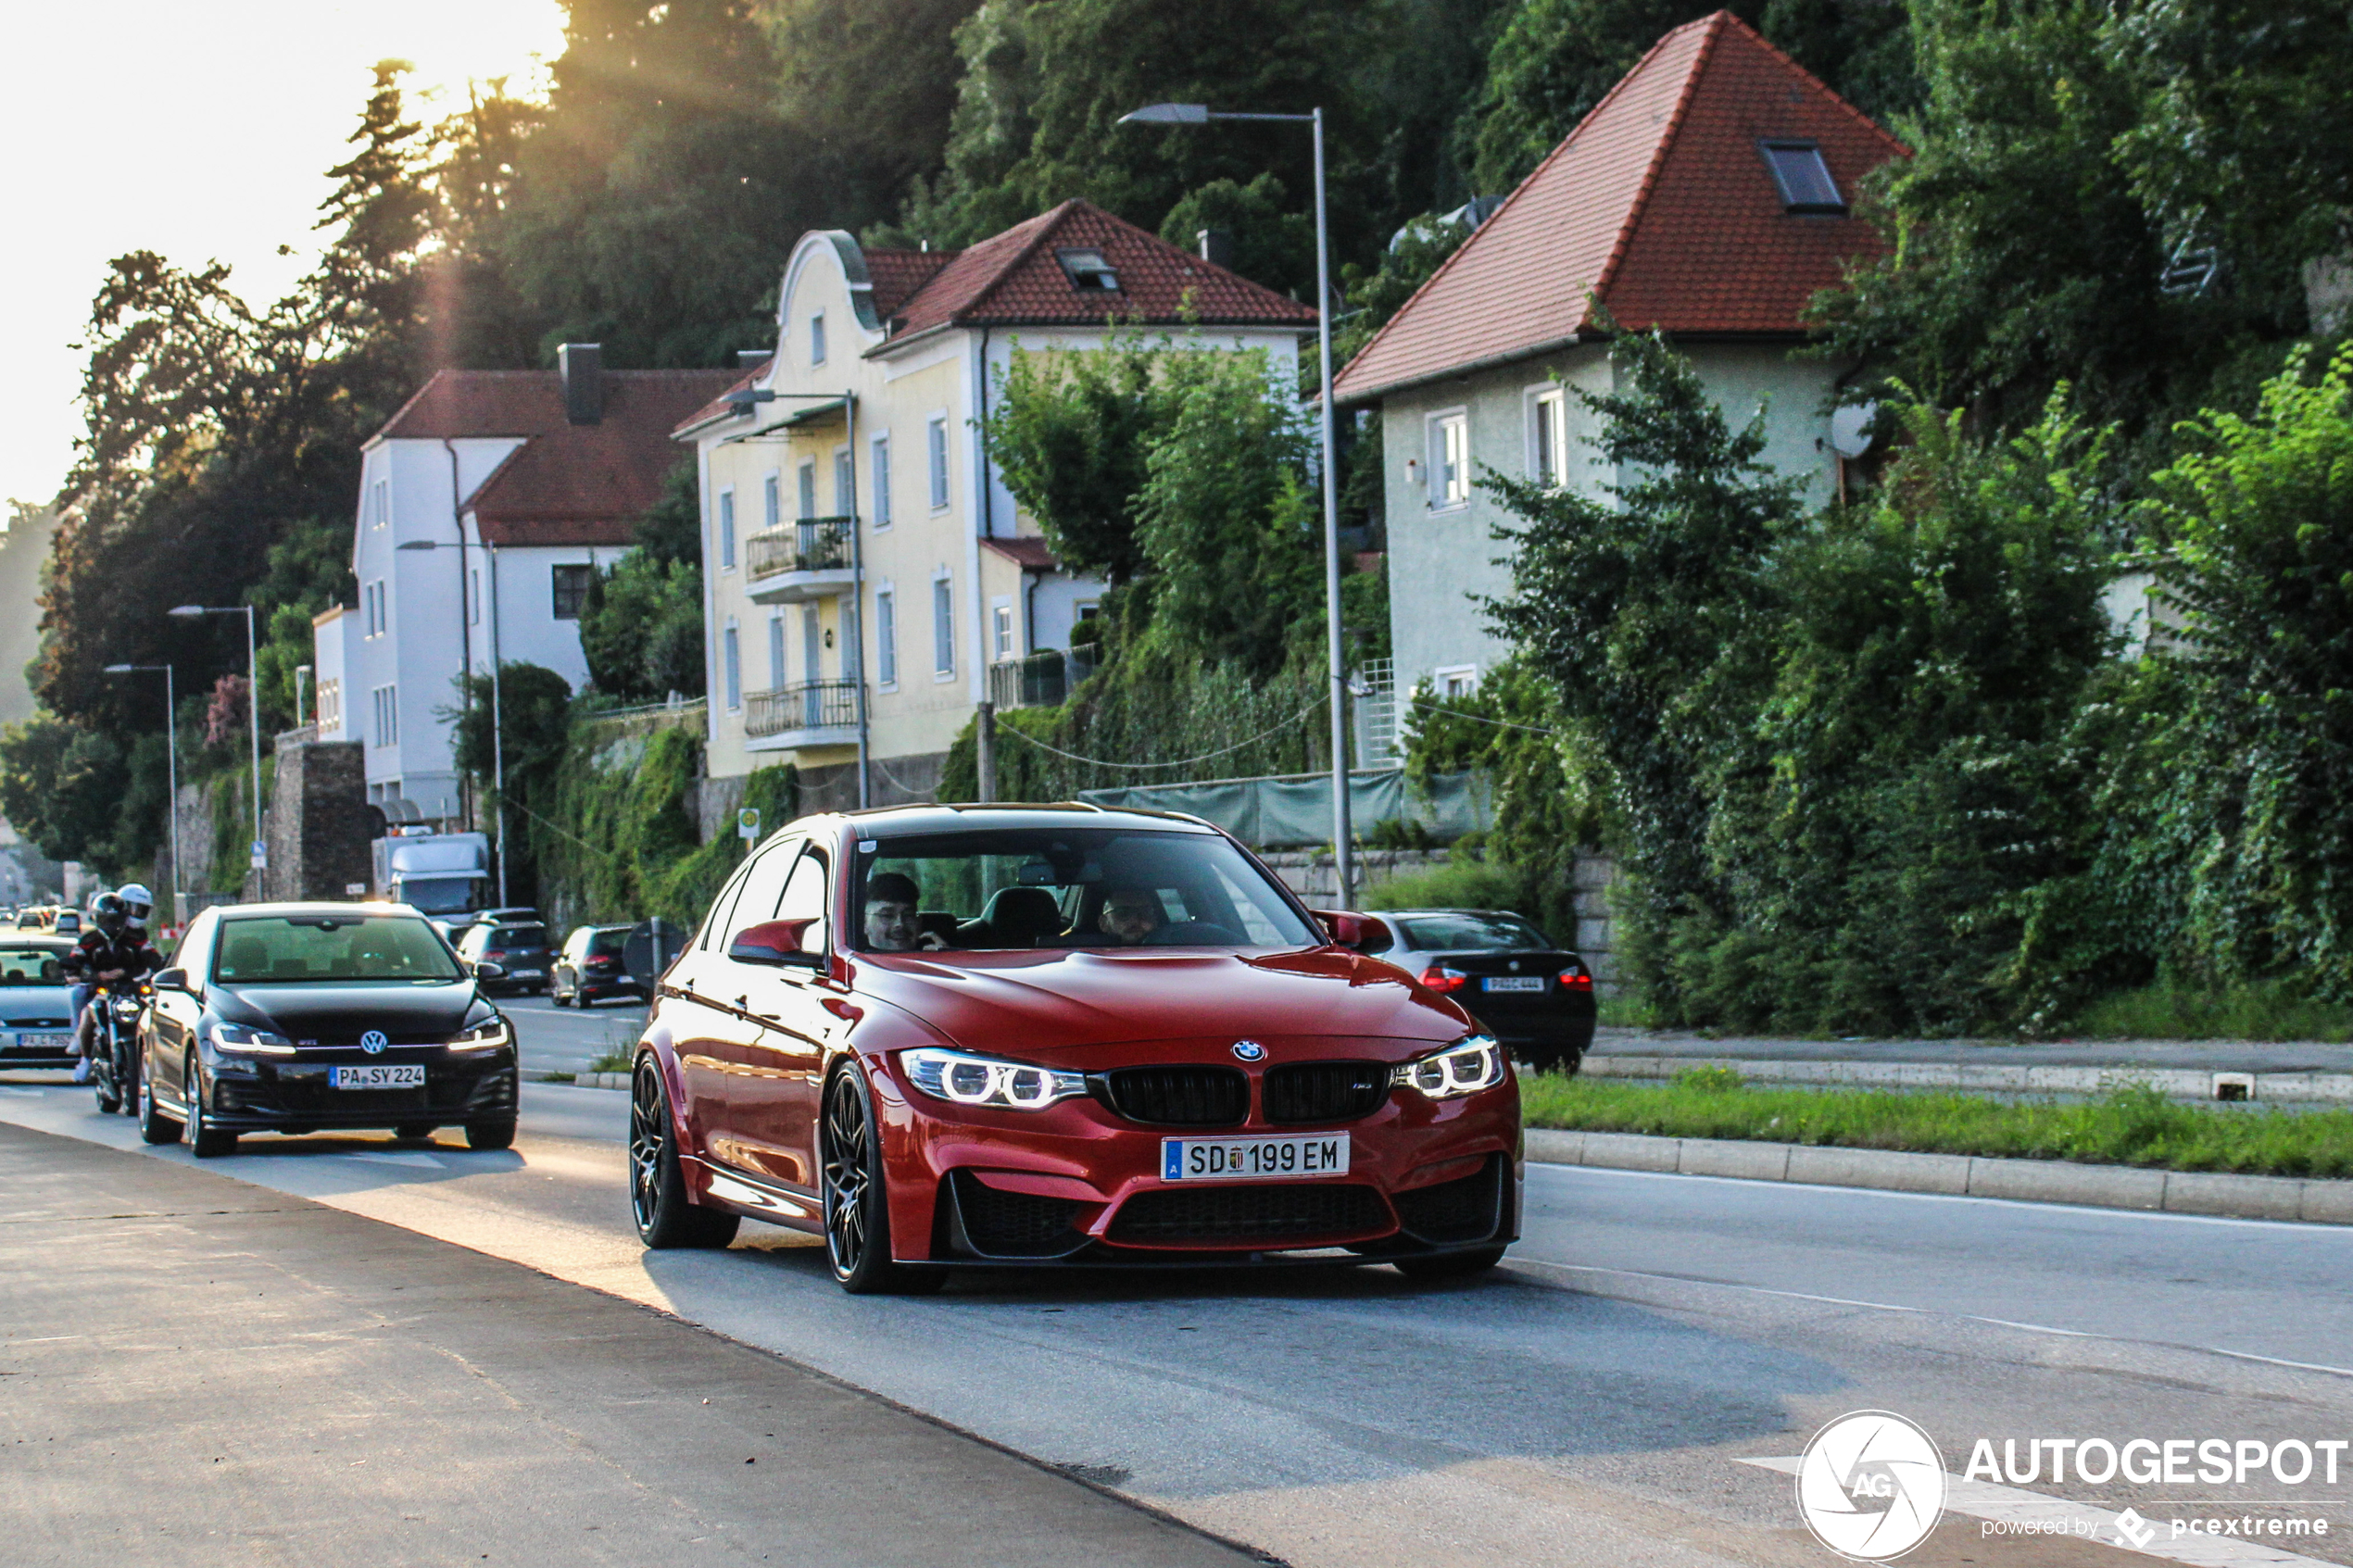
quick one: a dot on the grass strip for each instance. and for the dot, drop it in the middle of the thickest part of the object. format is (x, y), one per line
(2133, 1124)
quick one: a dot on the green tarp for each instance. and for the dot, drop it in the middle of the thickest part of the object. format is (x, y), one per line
(1290, 810)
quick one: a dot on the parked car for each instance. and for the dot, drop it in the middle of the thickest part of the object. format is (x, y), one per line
(520, 951)
(36, 1016)
(1531, 994)
(300, 1018)
(1053, 1035)
(589, 967)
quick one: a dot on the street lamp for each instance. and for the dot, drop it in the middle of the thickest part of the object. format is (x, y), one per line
(1201, 114)
(253, 700)
(498, 739)
(171, 766)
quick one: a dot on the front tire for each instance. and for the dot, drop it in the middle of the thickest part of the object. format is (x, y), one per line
(410, 1132)
(490, 1136)
(1452, 1265)
(856, 1199)
(557, 998)
(666, 1217)
(205, 1140)
(155, 1127)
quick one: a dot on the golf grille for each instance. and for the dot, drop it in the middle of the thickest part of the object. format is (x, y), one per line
(1272, 1212)
(1323, 1091)
(1179, 1097)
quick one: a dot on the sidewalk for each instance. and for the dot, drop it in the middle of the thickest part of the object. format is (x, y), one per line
(2308, 1074)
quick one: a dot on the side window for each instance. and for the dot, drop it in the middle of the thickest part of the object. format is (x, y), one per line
(195, 951)
(716, 921)
(805, 899)
(761, 891)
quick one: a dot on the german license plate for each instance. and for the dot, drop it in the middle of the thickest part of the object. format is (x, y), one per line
(1211, 1160)
(45, 1042)
(1511, 983)
(379, 1075)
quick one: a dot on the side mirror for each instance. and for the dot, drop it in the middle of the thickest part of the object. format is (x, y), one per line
(490, 970)
(774, 942)
(1346, 930)
(169, 980)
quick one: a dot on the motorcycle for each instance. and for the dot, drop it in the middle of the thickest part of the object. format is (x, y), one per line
(114, 1058)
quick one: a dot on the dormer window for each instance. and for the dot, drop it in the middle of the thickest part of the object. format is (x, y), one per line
(1089, 272)
(1804, 179)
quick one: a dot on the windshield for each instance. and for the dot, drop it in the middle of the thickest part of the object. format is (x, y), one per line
(520, 937)
(31, 966)
(312, 949)
(1470, 931)
(438, 894)
(1070, 887)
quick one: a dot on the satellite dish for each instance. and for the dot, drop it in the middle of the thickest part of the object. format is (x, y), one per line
(1850, 428)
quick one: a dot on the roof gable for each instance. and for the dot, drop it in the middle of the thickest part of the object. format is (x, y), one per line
(1659, 205)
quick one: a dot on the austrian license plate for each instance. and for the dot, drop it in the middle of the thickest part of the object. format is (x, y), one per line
(45, 1042)
(529, 974)
(1207, 1159)
(1511, 983)
(379, 1075)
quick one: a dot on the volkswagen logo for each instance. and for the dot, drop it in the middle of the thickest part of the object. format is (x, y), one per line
(373, 1041)
(1249, 1050)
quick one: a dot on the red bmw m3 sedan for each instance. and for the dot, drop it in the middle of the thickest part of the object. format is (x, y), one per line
(1055, 1035)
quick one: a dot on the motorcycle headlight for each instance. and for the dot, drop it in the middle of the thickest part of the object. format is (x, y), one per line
(249, 1041)
(481, 1038)
(961, 1078)
(1464, 1067)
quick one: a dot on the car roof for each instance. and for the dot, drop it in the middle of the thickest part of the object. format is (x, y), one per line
(35, 939)
(903, 821)
(249, 911)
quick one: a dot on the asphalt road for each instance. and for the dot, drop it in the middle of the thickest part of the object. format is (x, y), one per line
(1592, 1404)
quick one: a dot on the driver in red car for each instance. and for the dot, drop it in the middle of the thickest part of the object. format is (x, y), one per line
(1130, 915)
(891, 923)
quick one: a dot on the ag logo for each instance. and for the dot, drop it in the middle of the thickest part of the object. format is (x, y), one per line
(373, 1041)
(1871, 1486)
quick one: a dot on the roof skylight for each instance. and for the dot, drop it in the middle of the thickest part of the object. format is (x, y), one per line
(1804, 179)
(1088, 271)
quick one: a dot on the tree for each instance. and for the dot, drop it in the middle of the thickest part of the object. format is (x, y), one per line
(873, 87)
(1070, 434)
(642, 626)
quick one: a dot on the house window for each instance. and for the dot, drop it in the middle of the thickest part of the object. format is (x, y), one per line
(379, 609)
(817, 338)
(776, 651)
(1001, 630)
(379, 503)
(811, 645)
(1449, 460)
(886, 636)
(878, 488)
(853, 654)
(731, 656)
(1548, 439)
(943, 627)
(1802, 178)
(937, 438)
(727, 529)
(329, 715)
(571, 589)
(1457, 681)
(845, 483)
(1088, 271)
(808, 485)
(773, 501)
(473, 595)
(388, 715)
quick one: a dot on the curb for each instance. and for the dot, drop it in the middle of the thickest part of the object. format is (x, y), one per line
(2315, 1200)
(600, 1081)
(2180, 1083)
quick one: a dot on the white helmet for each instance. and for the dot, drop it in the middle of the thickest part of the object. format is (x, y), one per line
(136, 902)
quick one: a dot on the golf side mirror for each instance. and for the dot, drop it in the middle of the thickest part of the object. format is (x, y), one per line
(170, 980)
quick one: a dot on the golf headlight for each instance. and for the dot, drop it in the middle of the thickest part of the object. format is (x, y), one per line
(249, 1041)
(1461, 1069)
(481, 1038)
(964, 1079)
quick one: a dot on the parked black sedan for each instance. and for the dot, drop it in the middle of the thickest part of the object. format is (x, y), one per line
(1535, 997)
(300, 1018)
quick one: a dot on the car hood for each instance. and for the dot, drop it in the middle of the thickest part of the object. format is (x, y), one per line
(1048, 1001)
(28, 1002)
(344, 1011)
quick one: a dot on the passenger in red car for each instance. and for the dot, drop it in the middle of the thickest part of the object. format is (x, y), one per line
(891, 910)
(1130, 915)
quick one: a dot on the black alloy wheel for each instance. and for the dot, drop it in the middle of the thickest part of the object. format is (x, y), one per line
(207, 1141)
(1451, 1265)
(155, 1127)
(857, 1201)
(488, 1137)
(657, 1200)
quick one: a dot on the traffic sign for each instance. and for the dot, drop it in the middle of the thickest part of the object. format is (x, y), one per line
(747, 825)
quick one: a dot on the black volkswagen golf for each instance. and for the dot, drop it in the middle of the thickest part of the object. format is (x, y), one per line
(301, 1018)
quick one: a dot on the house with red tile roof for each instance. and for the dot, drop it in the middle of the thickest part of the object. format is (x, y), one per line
(869, 578)
(522, 482)
(1708, 197)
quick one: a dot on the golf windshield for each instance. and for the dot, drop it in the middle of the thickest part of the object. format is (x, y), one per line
(1069, 887)
(319, 949)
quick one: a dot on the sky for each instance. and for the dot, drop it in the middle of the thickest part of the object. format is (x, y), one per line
(201, 131)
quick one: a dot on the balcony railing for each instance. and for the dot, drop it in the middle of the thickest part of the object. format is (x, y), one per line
(1042, 680)
(816, 543)
(811, 705)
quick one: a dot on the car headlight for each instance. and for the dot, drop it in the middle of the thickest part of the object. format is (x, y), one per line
(481, 1038)
(1464, 1067)
(961, 1078)
(249, 1041)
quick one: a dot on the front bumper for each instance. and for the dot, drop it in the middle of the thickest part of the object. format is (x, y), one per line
(264, 1094)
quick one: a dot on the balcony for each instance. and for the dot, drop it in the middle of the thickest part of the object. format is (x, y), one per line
(812, 713)
(1044, 679)
(808, 559)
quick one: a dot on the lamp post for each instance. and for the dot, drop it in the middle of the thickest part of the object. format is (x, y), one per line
(1201, 114)
(171, 766)
(253, 699)
(498, 735)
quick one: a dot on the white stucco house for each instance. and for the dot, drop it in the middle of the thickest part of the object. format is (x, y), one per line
(485, 505)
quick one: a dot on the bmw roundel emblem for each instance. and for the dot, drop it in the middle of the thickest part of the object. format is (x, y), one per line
(1249, 1050)
(373, 1041)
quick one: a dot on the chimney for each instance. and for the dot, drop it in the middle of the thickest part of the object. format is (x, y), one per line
(582, 365)
(752, 359)
(1217, 247)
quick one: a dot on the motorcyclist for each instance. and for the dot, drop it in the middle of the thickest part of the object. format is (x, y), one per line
(110, 953)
